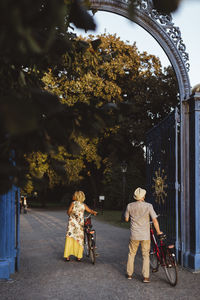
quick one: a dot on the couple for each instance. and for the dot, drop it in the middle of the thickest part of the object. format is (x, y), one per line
(138, 212)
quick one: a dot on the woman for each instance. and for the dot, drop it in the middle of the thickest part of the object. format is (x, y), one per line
(74, 242)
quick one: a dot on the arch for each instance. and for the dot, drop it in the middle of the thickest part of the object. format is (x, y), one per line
(168, 36)
(163, 31)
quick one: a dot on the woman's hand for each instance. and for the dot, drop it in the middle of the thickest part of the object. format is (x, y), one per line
(91, 211)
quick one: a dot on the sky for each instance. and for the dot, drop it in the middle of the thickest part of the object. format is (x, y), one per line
(186, 17)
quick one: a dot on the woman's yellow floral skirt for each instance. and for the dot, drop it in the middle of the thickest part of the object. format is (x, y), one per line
(72, 247)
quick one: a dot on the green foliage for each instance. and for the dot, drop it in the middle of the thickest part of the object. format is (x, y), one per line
(33, 40)
(112, 217)
(132, 92)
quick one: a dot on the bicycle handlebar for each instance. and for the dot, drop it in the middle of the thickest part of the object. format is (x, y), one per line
(85, 218)
(162, 236)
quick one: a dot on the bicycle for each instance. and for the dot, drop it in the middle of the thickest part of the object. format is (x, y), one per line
(89, 239)
(163, 254)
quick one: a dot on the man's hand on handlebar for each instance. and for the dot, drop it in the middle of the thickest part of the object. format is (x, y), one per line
(162, 236)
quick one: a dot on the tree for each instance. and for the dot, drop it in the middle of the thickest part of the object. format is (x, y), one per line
(110, 74)
(33, 38)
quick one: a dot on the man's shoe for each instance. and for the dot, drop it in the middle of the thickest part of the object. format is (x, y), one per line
(129, 276)
(146, 280)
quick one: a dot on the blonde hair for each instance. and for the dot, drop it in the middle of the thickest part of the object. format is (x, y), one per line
(79, 196)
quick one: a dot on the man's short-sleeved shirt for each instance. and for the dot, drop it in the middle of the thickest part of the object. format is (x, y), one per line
(139, 213)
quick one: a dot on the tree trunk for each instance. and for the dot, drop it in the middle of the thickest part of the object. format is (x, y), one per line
(95, 192)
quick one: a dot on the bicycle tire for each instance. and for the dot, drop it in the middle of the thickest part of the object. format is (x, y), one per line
(86, 246)
(153, 261)
(170, 268)
(92, 249)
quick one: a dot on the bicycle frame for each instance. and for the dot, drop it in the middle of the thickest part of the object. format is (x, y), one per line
(90, 232)
(88, 226)
(159, 250)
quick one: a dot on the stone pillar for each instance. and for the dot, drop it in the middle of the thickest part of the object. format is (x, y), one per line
(192, 254)
(8, 234)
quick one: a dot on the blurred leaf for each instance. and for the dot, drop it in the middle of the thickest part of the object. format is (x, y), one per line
(80, 17)
(82, 46)
(166, 6)
(74, 147)
(96, 43)
(131, 9)
(47, 103)
(18, 115)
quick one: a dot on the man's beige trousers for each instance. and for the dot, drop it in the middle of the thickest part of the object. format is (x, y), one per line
(133, 247)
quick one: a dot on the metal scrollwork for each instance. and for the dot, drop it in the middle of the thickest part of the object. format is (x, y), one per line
(166, 22)
(142, 4)
(162, 29)
(160, 186)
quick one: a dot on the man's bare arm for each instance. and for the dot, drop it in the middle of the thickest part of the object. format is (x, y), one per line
(156, 225)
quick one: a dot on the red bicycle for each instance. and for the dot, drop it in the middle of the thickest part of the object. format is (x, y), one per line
(163, 254)
(89, 239)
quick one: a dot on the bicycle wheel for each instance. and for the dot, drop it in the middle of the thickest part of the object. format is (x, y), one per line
(153, 261)
(171, 268)
(86, 246)
(92, 249)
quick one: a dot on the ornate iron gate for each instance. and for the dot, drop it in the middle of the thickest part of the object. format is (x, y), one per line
(162, 173)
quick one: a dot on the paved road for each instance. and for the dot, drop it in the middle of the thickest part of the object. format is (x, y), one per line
(44, 274)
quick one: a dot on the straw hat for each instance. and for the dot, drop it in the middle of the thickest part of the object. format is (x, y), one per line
(139, 194)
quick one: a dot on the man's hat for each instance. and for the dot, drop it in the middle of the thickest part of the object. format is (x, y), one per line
(139, 194)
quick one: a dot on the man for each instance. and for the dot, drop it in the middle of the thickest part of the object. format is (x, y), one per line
(139, 213)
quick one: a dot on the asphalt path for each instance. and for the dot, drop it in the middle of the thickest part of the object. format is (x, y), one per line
(45, 275)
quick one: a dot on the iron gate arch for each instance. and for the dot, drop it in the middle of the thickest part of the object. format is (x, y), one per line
(162, 28)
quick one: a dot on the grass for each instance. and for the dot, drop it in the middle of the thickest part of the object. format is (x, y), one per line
(112, 217)
(109, 216)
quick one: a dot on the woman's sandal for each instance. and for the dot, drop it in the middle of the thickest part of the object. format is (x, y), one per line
(67, 259)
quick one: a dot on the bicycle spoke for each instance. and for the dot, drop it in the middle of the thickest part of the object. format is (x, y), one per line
(86, 246)
(92, 250)
(153, 261)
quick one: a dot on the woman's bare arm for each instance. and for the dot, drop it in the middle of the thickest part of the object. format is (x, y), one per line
(93, 212)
